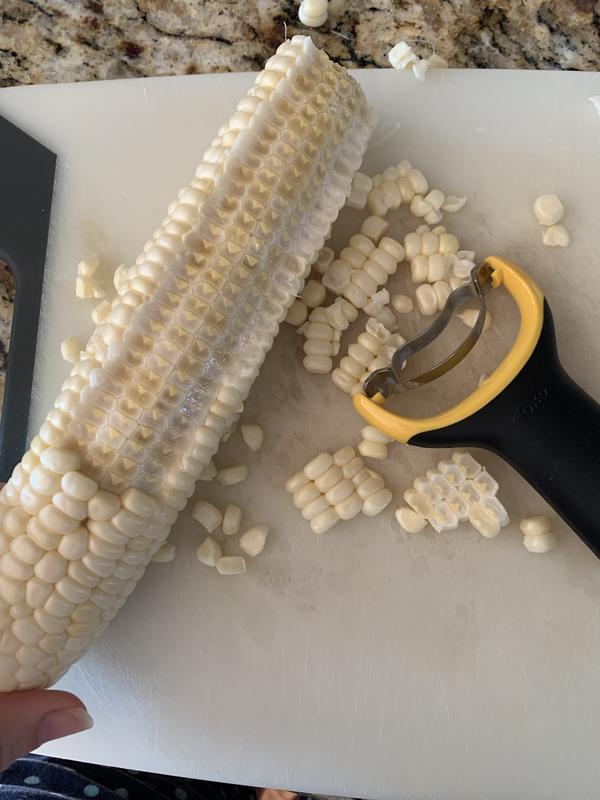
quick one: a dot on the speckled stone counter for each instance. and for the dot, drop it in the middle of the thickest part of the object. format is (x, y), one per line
(47, 41)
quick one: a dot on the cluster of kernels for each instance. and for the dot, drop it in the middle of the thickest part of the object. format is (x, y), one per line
(71, 555)
(361, 186)
(363, 266)
(537, 534)
(373, 350)
(334, 487)
(396, 186)
(167, 371)
(86, 284)
(549, 210)
(373, 443)
(404, 185)
(459, 490)
(402, 56)
(210, 551)
(431, 254)
(322, 342)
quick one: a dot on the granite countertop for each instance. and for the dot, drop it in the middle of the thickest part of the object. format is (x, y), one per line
(48, 41)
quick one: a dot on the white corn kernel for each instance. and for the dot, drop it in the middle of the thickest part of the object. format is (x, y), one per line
(401, 56)
(402, 303)
(305, 495)
(208, 515)
(469, 317)
(296, 482)
(374, 227)
(209, 552)
(254, 539)
(535, 526)
(437, 269)
(453, 204)
(232, 520)
(548, 209)
(88, 265)
(83, 288)
(231, 565)
(139, 503)
(318, 364)
(329, 479)
(165, 554)
(413, 245)
(60, 461)
(76, 509)
(442, 292)
(409, 520)
(313, 294)
(393, 248)
(370, 486)
(70, 349)
(103, 505)
(340, 492)
(229, 476)
(372, 434)
(297, 313)
(418, 181)
(357, 199)
(78, 486)
(315, 507)
(362, 244)
(324, 521)
(541, 543)
(556, 236)
(253, 436)
(343, 456)
(318, 466)
(375, 503)
(355, 295)
(349, 507)
(354, 257)
(419, 269)
(370, 449)
(430, 243)
(426, 299)
(448, 244)
(318, 314)
(353, 467)
(324, 259)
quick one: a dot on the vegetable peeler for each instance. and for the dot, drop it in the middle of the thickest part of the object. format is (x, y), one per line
(529, 411)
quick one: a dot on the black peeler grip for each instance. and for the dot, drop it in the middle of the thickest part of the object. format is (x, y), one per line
(548, 429)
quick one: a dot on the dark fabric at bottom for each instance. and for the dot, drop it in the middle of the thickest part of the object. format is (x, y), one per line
(41, 778)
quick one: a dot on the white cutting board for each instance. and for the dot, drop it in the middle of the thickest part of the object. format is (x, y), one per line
(364, 662)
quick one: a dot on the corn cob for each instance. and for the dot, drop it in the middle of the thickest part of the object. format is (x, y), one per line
(166, 372)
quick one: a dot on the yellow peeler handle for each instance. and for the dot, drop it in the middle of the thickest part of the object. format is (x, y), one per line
(530, 301)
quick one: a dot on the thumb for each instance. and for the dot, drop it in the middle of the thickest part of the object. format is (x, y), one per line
(32, 717)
